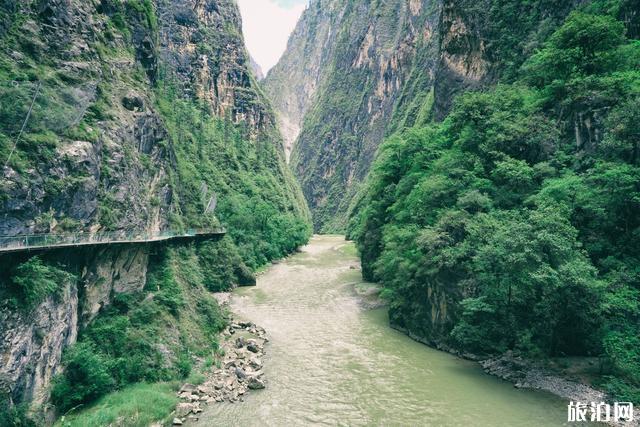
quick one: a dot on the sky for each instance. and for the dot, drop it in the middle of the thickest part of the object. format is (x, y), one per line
(267, 25)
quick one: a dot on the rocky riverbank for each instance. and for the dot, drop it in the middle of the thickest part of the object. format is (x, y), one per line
(239, 370)
(528, 374)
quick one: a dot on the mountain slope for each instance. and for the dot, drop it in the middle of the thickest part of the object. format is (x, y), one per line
(292, 83)
(343, 71)
(129, 117)
(508, 226)
(354, 72)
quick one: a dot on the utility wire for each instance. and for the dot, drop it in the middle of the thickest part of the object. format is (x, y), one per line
(24, 125)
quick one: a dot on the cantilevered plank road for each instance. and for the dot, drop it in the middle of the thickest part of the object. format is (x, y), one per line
(42, 242)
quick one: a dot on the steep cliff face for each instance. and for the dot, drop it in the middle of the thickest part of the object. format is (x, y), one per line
(32, 345)
(256, 69)
(80, 158)
(34, 337)
(129, 117)
(346, 86)
(202, 43)
(292, 83)
(356, 72)
(477, 49)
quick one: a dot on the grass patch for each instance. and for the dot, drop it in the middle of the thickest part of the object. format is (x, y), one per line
(137, 405)
(349, 249)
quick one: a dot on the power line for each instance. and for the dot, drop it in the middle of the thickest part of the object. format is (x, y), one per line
(24, 125)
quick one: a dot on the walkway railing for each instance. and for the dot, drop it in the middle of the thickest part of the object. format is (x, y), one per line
(43, 241)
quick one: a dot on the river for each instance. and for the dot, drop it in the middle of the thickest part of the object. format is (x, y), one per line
(332, 362)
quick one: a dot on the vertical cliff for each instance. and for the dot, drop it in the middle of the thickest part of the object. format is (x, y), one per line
(292, 83)
(355, 72)
(345, 67)
(131, 117)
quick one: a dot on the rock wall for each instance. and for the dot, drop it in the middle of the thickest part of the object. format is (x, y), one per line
(33, 340)
(345, 67)
(32, 344)
(356, 72)
(88, 179)
(97, 155)
(292, 83)
(201, 41)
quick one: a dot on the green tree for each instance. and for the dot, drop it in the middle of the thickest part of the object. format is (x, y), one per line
(85, 378)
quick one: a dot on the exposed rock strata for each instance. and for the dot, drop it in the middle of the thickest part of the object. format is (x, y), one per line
(32, 341)
(101, 62)
(356, 72)
(338, 83)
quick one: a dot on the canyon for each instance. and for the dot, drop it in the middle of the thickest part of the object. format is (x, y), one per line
(483, 155)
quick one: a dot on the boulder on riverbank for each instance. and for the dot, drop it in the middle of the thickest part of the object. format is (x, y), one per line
(239, 371)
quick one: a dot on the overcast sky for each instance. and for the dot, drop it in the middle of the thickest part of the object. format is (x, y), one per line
(267, 25)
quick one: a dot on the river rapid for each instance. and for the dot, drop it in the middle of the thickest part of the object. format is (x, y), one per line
(332, 362)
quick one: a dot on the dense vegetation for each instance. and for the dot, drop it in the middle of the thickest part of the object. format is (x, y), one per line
(158, 334)
(174, 314)
(30, 282)
(249, 178)
(513, 224)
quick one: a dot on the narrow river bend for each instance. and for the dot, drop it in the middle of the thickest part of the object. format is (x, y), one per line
(331, 362)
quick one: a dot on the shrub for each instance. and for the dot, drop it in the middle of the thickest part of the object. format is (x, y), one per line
(85, 378)
(35, 280)
(14, 415)
(166, 289)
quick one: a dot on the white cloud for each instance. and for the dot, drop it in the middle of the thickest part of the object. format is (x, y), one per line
(266, 25)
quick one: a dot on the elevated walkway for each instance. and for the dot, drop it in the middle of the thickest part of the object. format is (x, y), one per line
(42, 242)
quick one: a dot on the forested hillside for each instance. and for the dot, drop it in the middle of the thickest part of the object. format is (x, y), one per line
(129, 117)
(512, 223)
(483, 154)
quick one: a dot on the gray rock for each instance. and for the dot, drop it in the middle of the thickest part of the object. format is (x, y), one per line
(133, 102)
(240, 373)
(188, 388)
(31, 344)
(255, 383)
(255, 363)
(183, 409)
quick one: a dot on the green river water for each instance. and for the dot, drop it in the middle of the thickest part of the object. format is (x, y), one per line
(332, 362)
